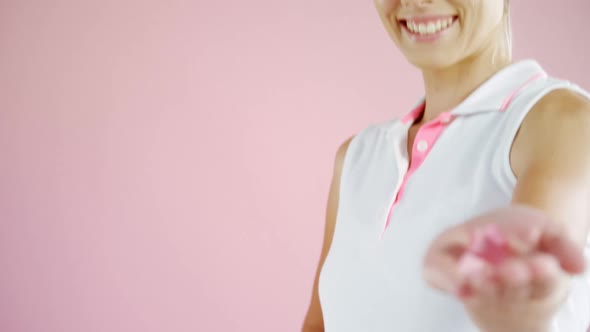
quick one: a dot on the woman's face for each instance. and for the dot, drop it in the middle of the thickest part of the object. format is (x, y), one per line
(439, 33)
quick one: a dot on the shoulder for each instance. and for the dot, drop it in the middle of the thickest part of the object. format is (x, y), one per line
(558, 126)
(558, 110)
(560, 116)
(341, 154)
(360, 143)
(376, 130)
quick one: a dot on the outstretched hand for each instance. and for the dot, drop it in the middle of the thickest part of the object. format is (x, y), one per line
(509, 267)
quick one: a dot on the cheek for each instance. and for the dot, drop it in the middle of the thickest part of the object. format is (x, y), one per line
(483, 26)
(386, 6)
(484, 16)
(387, 10)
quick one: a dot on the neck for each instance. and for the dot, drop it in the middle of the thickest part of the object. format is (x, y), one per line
(446, 88)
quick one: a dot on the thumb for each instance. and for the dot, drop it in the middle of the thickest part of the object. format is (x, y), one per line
(555, 241)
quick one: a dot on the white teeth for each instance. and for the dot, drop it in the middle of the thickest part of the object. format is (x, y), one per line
(430, 28)
(422, 28)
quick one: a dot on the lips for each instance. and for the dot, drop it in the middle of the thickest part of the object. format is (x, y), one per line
(427, 25)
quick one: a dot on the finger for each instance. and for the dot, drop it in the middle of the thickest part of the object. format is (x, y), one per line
(441, 272)
(454, 240)
(545, 275)
(507, 282)
(514, 278)
(555, 241)
(440, 265)
(527, 229)
(483, 288)
(519, 226)
(469, 267)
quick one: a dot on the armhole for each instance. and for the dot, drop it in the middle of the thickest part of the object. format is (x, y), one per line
(352, 155)
(344, 169)
(352, 151)
(515, 115)
(342, 183)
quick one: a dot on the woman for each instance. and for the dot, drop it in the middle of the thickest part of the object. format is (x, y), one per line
(494, 145)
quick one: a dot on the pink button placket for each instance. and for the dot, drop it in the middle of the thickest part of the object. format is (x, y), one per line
(430, 132)
(424, 141)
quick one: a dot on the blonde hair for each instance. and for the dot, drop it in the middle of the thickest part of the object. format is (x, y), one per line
(508, 28)
(507, 44)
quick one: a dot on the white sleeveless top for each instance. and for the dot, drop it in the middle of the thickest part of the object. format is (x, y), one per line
(389, 213)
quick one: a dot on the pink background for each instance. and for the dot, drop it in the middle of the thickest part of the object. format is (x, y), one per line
(165, 164)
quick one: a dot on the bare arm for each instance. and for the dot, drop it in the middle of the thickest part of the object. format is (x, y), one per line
(551, 159)
(314, 320)
(545, 227)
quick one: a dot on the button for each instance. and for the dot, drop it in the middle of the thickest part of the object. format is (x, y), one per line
(422, 146)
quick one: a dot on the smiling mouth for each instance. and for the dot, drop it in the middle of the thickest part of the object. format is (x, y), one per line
(428, 26)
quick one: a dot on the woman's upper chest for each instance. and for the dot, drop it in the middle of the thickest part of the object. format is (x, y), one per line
(516, 158)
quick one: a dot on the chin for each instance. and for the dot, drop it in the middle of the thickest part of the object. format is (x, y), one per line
(432, 61)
